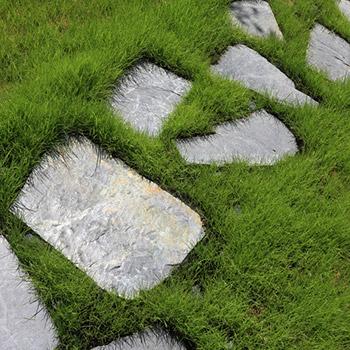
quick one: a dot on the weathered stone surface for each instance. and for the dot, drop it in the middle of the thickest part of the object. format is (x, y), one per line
(147, 95)
(344, 6)
(144, 341)
(259, 139)
(256, 17)
(243, 64)
(329, 53)
(24, 324)
(123, 230)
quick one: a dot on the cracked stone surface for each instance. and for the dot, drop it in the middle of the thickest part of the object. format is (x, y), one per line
(124, 231)
(242, 64)
(329, 53)
(144, 341)
(344, 6)
(258, 139)
(256, 17)
(147, 95)
(24, 324)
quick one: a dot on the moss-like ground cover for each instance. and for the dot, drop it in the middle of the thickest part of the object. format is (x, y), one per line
(273, 271)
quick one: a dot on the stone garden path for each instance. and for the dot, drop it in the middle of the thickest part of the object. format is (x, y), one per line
(124, 231)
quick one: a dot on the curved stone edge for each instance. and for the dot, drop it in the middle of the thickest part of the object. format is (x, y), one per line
(259, 139)
(329, 53)
(344, 6)
(150, 339)
(242, 64)
(24, 323)
(147, 112)
(255, 17)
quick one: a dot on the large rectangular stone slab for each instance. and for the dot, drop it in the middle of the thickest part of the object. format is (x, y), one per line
(121, 229)
(24, 323)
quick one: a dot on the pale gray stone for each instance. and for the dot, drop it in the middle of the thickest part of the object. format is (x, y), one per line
(147, 95)
(344, 6)
(259, 139)
(329, 53)
(256, 17)
(24, 323)
(144, 341)
(243, 64)
(124, 231)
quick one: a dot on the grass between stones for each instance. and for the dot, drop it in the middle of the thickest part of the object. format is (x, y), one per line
(273, 270)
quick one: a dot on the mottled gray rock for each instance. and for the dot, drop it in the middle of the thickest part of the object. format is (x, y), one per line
(259, 139)
(256, 17)
(144, 341)
(329, 53)
(147, 95)
(243, 64)
(344, 6)
(24, 324)
(123, 230)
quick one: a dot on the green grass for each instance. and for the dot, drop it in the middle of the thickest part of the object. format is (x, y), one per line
(273, 270)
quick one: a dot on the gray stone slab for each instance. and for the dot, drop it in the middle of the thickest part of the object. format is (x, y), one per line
(121, 229)
(256, 17)
(329, 53)
(344, 6)
(240, 63)
(144, 341)
(258, 139)
(147, 95)
(24, 324)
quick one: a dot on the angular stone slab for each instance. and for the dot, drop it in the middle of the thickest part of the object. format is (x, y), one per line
(259, 139)
(329, 53)
(240, 63)
(256, 17)
(121, 229)
(344, 6)
(24, 324)
(147, 95)
(144, 341)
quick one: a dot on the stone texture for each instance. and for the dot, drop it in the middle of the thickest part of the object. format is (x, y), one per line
(147, 95)
(256, 17)
(259, 139)
(144, 341)
(329, 53)
(24, 324)
(121, 229)
(243, 64)
(344, 6)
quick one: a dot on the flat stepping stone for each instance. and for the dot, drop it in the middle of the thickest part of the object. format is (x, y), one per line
(124, 231)
(144, 341)
(240, 63)
(24, 324)
(258, 139)
(329, 53)
(344, 6)
(147, 95)
(256, 17)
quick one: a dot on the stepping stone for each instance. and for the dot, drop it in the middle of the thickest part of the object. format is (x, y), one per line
(147, 95)
(144, 341)
(259, 139)
(24, 324)
(329, 53)
(344, 6)
(240, 63)
(256, 17)
(124, 231)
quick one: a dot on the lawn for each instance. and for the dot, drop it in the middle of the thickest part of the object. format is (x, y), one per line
(273, 269)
